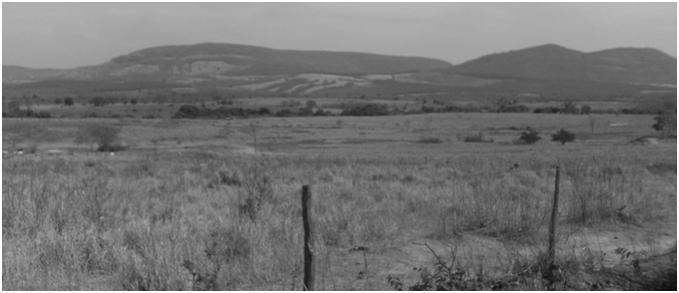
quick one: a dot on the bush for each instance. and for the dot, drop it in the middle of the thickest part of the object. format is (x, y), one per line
(666, 123)
(187, 111)
(284, 113)
(479, 137)
(366, 110)
(585, 109)
(530, 136)
(68, 101)
(563, 136)
(105, 136)
(429, 140)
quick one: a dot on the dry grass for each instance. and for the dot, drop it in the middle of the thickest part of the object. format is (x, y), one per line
(203, 218)
(134, 222)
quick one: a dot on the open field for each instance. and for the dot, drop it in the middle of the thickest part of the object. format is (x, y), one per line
(215, 204)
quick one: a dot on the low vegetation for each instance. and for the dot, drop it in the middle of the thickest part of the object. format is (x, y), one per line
(221, 215)
(563, 136)
(530, 136)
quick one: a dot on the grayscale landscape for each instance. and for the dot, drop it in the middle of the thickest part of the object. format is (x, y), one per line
(492, 159)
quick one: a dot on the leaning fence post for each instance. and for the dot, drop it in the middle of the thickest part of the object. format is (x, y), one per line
(552, 230)
(308, 255)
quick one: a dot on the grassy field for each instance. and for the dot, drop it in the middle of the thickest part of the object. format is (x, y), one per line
(215, 204)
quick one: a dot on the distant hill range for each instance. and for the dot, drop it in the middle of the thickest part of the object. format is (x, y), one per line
(554, 62)
(232, 67)
(211, 60)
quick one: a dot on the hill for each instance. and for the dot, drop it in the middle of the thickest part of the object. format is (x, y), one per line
(211, 60)
(554, 62)
(19, 74)
(551, 72)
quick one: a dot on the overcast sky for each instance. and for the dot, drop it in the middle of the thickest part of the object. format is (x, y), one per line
(62, 35)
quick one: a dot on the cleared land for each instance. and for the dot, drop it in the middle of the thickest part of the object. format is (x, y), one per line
(197, 200)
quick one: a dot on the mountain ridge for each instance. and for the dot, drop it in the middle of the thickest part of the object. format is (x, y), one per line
(216, 62)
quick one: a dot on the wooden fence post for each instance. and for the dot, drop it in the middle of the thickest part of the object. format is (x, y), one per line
(308, 254)
(551, 254)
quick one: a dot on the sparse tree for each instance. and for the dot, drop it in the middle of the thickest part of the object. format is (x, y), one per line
(530, 136)
(563, 136)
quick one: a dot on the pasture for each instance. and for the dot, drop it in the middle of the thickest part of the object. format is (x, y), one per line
(215, 204)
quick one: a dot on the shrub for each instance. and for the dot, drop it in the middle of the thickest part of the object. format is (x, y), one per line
(366, 110)
(284, 113)
(429, 140)
(68, 101)
(570, 108)
(105, 136)
(258, 190)
(563, 136)
(187, 111)
(666, 123)
(479, 137)
(585, 109)
(530, 136)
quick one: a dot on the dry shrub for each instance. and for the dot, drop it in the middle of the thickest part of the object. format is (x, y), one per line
(257, 190)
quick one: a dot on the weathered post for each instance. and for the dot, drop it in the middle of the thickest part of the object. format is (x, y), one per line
(308, 254)
(551, 254)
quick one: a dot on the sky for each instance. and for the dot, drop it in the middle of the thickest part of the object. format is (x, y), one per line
(65, 35)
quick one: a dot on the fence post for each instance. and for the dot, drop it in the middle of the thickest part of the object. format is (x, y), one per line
(551, 254)
(308, 254)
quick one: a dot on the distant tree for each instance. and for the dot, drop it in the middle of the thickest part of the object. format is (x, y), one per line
(310, 104)
(585, 109)
(133, 101)
(563, 136)
(666, 123)
(569, 108)
(284, 113)
(530, 136)
(68, 101)
(306, 111)
(502, 104)
(58, 101)
(187, 111)
(97, 101)
(105, 136)
(12, 108)
(366, 110)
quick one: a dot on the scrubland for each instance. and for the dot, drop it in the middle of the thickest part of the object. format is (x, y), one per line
(205, 207)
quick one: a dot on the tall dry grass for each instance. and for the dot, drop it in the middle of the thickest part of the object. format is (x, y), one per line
(206, 221)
